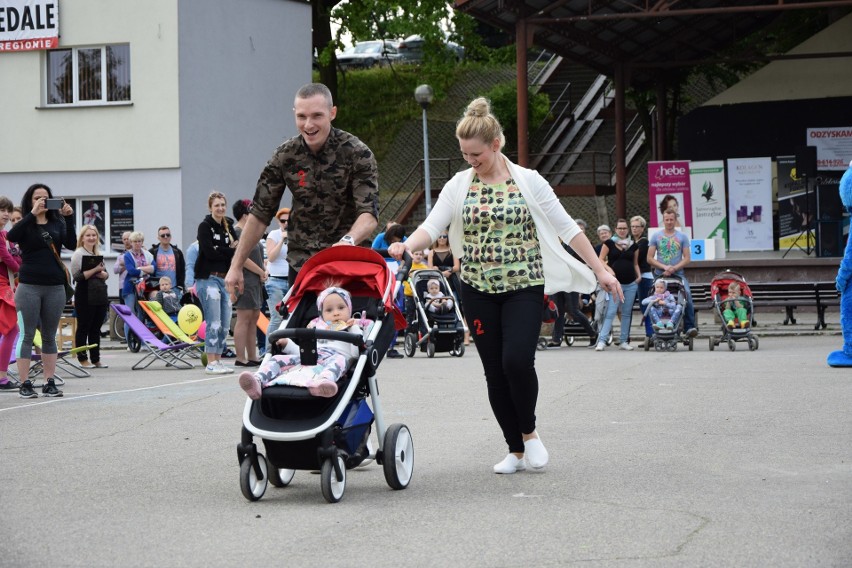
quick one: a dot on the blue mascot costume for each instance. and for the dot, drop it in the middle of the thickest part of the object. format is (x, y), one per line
(843, 358)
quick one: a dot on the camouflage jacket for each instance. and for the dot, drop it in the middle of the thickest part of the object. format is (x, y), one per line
(330, 190)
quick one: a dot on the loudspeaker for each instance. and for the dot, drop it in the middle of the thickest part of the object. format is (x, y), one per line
(806, 161)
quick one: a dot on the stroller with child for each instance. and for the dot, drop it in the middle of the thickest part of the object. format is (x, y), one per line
(668, 333)
(433, 331)
(738, 327)
(332, 435)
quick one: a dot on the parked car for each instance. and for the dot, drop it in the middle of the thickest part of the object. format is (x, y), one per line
(367, 54)
(411, 49)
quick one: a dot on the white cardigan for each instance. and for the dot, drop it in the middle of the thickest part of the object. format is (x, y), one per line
(562, 272)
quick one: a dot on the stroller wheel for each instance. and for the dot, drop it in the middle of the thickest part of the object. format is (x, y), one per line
(430, 349)
(542, 344)
(689, 343)
(332, 487)
(753, 343)
(281, 477)
(570, 340)
(609, 340)
(732, 345)
(252, 487)
(712, 344)
(398, 456)
(458, 349)
(133, 342)
(647, 343)
(410, 345)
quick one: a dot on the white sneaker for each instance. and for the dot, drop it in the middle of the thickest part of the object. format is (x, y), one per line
(600, 346)
(535, 453)
(510, 464)
(626, 347)
(217, 368)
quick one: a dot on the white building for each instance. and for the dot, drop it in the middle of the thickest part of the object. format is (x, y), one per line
(146, 106)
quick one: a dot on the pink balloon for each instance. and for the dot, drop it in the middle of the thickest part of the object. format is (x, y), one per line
(202, 330)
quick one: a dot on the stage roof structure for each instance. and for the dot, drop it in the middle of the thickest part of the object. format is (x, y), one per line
(637, 43)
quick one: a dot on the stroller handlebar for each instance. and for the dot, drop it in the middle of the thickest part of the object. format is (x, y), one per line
(311, 333)
(404, 267)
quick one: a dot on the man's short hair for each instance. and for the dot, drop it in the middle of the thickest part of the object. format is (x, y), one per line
(313, 89)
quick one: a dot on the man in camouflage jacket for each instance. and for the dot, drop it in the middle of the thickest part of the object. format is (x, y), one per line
(333, 178)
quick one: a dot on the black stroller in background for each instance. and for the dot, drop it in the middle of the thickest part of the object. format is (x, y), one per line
(433, 332)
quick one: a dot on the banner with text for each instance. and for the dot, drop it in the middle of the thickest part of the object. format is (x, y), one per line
(709, 214)
(834, 147)
(750, 204)
(669, 181)
(27, 25)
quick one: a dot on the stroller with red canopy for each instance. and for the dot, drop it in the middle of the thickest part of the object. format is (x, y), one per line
(303, 432)
(741, 330)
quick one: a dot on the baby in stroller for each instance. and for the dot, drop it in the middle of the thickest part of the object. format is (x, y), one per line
(436, 301)
(734, 308)
(664, 310)
(333, 357)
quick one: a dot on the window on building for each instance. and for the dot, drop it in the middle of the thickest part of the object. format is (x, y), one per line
(112, 216)
(88, 75)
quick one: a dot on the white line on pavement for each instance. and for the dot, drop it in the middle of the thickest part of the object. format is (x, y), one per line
(82, 396)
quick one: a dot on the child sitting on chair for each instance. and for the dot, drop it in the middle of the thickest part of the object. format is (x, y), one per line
(333, 357)
(734, 310)
(436, 301)
(168, 298)
(662, 304)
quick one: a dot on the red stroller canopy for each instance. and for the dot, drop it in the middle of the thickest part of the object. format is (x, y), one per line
(361, 271)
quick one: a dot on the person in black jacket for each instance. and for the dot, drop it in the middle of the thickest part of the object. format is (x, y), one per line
(40, 298)
(91, 299)
(168, 259)
(216, 244)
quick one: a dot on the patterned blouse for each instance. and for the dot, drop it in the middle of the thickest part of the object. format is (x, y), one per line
(500, 252)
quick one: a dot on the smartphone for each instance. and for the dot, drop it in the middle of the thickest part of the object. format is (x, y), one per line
(55, 203)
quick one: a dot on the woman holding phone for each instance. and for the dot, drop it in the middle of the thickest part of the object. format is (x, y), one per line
(40, 297)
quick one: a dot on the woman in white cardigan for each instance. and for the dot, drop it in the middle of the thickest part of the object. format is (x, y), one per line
(504, 223)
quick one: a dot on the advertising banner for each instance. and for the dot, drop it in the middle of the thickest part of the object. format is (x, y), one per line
(750, 204)
(709, 214)
(796, 208)
(669, 181)
(834, 147)
(27, 25)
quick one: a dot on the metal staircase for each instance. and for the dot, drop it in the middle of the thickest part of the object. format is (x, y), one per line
(576, 147)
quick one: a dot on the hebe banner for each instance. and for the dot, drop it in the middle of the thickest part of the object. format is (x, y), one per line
(27, 25)
(667, 180)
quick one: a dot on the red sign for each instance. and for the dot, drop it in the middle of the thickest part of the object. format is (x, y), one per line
(27, 25)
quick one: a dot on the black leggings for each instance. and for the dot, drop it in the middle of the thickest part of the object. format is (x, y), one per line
(89, 322)
(505, 328)
(569, 303)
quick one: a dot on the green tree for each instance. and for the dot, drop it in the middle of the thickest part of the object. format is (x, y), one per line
(504, 105)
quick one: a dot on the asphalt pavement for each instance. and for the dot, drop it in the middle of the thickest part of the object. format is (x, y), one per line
(701, 458)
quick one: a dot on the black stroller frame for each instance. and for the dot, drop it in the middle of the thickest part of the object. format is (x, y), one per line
(304, 432)
(668, 339)
(431, 332)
